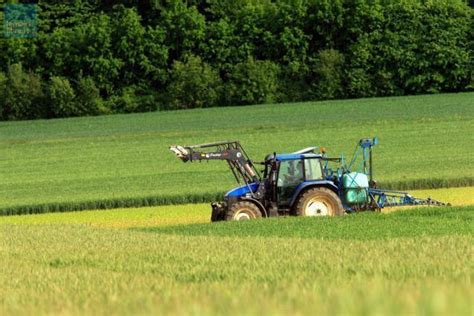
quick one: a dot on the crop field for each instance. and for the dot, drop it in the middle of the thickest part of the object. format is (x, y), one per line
(417, 261)
(169, 259)
(123, 160)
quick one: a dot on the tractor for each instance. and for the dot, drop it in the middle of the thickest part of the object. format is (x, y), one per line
(302, 183)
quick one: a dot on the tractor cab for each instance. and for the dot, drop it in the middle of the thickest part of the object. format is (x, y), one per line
(287, 174)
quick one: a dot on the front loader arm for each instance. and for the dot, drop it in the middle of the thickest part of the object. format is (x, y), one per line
(188, 154)
(232, 152)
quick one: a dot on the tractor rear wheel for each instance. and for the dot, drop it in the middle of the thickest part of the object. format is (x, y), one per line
(319, 202)
(242, 211)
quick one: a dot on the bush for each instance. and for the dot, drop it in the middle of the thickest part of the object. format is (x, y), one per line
(293, 87)
(3, 91)
(22, 95)
(328, 73)
(81, 99)
(252, 82)
(194, 84)
(62, 98)
(134, 99)
(88, 97)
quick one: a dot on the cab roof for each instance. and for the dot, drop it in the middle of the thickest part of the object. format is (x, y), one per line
(281, 157)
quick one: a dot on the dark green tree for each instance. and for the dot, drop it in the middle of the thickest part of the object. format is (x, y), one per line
(193, 84)
(184, 27)
(62, 98)
(88, 97)
(252, 82)
(328, 75)
(21, 95)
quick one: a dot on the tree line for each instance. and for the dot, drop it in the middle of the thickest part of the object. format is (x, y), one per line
(99, 57)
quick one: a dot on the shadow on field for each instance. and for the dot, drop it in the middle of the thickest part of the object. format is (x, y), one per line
(427, 221)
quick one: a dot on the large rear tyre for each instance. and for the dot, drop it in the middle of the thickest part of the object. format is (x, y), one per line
(319, 202)
(243, 211)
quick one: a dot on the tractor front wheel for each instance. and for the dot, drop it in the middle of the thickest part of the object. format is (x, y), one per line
(242, 211)
(319, 202)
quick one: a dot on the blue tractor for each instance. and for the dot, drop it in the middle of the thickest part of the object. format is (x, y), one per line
(303, 183)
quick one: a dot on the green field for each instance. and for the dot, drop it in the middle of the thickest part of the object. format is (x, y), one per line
(172, 215)
(123, 160)
(408, 262)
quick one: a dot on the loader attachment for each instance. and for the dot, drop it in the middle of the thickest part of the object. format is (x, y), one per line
(231, 151)
(180, 152)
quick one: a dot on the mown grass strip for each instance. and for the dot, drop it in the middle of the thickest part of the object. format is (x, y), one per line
(200, 198)
(167, 215)
(427, 221)
(428, 183)
(172, 215)
(455, 196)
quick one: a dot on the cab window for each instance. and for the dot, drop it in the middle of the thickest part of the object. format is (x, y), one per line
(312, 169)
(290, 175)
(291, 172)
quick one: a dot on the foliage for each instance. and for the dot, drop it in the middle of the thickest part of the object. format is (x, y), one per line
(123, 160)
(86, 49)
(88, 96)
(224, 46)
(62, 98)
(3, 93)
(408, 47)
(65, 101)
(130, 48)
(141, 50)
(21, 94)
(184, 28)
(328, 73)
(194, 84)
(134, 98)
(252, 82)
